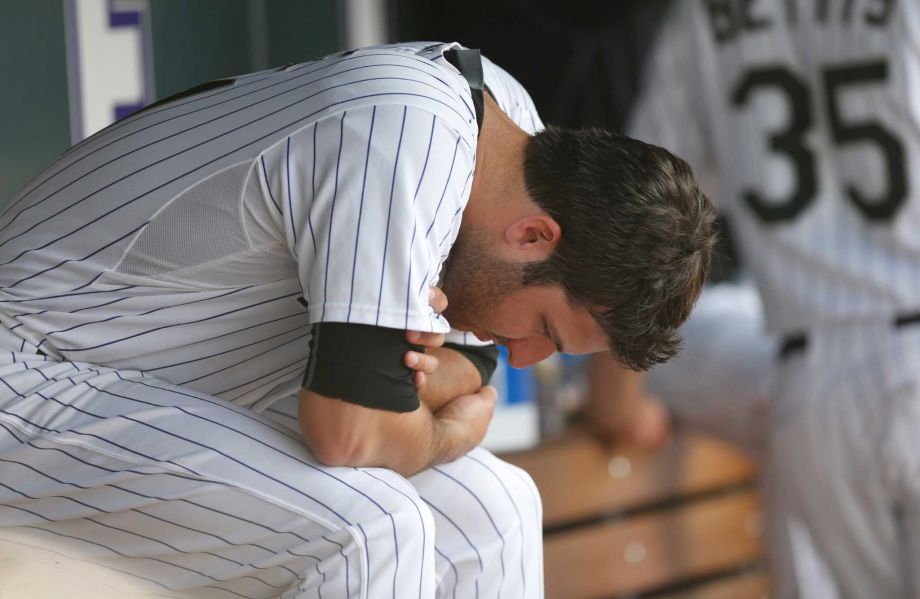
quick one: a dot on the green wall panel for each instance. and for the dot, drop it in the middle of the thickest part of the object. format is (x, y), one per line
(34, 119)
(299, 30)
(193, 41)
(198, 40)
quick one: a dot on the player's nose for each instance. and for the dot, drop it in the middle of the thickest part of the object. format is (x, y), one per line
(527, 352)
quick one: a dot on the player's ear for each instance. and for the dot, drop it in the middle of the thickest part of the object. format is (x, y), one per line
(533, 238)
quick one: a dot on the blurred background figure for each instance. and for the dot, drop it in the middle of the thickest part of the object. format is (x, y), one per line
(808, 115)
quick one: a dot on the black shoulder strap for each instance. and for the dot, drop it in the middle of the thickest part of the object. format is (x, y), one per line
(469, 62)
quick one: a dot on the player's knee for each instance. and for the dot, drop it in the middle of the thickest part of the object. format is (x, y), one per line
(413, 516)
(402, 511)
(525, 499)
(507, 494)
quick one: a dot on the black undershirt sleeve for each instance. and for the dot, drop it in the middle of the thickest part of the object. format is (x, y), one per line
(362, 364)
(483, 357)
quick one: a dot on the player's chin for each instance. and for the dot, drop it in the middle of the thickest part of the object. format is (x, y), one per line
(458, 322)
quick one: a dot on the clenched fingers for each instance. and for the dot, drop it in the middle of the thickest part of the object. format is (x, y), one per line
(425, 339)
(437, 300)
(421, 362)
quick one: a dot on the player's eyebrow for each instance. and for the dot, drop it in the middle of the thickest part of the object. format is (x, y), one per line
(554, 337)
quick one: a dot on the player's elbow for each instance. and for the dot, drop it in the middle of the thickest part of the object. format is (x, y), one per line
(340, 433)
(333, 454)
(332, 445)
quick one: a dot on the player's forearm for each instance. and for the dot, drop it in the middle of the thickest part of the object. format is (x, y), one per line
(613, 391)
(414, 442)
(620, 408)
(454, 377)
(611, 381)
(344, 434)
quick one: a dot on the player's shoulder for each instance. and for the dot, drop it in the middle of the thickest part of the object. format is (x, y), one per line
(413, 74)
(509, 93)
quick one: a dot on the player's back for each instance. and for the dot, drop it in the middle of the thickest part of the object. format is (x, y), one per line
(117, 180)
(811, 113)
(166, 242)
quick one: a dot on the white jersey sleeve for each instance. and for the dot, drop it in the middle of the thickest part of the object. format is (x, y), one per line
(389, 184)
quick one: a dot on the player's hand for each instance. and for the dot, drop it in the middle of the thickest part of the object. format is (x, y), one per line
(644, 423)
(436, 299)
(468, 417)
(424, 364)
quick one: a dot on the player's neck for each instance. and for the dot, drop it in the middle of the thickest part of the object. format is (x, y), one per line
(498, 192)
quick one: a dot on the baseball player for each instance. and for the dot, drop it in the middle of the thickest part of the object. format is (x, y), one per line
(808, 112)
(277, 234)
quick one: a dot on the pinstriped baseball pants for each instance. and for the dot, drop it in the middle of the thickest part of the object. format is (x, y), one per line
(150, 488)
(842, 453)
(843, 472)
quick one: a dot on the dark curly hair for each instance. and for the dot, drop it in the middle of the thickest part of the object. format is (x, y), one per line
(637, 235)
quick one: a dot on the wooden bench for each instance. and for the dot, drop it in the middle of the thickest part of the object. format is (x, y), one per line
(680, 523)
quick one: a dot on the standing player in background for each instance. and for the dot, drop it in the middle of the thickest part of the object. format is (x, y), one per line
(808, 113)
(276, 234)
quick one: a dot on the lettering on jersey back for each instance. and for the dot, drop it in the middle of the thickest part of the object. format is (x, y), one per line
(729, 19)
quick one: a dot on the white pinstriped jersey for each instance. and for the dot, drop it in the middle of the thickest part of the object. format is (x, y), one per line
(811, 110)
(179, 240)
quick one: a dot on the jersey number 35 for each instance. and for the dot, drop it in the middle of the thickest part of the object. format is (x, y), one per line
(790, 141)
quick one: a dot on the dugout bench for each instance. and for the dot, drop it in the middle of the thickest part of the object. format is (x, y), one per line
(681, 523)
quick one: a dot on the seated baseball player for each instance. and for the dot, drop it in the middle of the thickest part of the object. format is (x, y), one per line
(276, 235)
